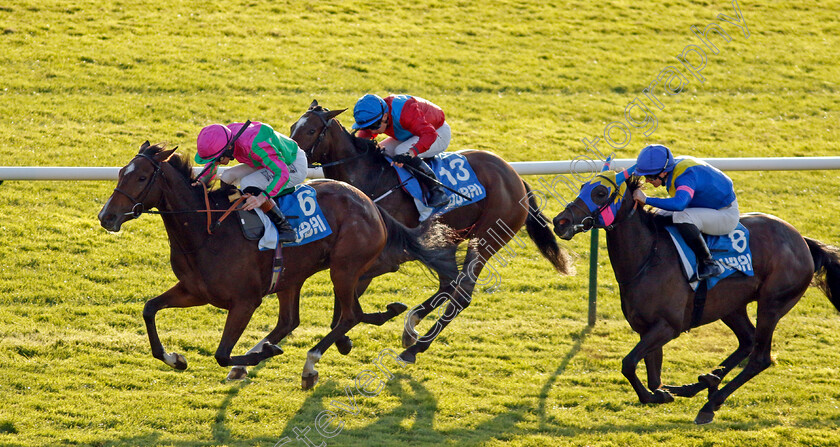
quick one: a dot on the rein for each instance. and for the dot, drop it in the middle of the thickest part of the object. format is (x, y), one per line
(320, 138)
(138, 209)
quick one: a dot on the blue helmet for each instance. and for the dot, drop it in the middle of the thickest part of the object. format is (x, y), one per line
(654, 159)
(368, 110)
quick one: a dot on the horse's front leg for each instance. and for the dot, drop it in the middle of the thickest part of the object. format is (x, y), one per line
(288, 318)
(651, 341)
(177, 296)
(239, 315)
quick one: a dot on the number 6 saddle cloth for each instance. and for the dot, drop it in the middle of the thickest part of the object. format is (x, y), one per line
(732, 251)
(301, 210)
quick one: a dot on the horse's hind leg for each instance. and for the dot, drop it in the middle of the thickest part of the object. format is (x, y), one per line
(177, 296)
(652, 340)
(459, 298)
(422, 310)
(743, 328)
(344, 286)
(759, 358)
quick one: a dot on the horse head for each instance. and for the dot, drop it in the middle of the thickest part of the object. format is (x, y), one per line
(311, 129)
(137, 187)
(598, 205)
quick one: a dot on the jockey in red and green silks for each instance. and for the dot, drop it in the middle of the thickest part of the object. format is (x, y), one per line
(270, 164)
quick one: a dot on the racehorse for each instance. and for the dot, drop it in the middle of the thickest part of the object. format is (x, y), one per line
(489, 223)
(658, 302)
(228, 271)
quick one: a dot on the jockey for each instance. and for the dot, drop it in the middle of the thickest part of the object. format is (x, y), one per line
(702, 199)
(270, 165)
(416, 129)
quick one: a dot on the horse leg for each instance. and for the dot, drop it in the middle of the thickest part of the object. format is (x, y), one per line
(759, 359)
(239, 315)
(743, 328)
(344, 286)
(419, 312)
(459, 299)
(653, 365)
(288, 318)
(343, 343)
(177, 296)
(651, 341)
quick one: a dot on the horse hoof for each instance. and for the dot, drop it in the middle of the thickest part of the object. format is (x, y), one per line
(661, 396)
(344, 345)
(408, 357)
(176, 361)
(704, 417)
(270, 350)
(397, 308)
(307, 382)
(710, 380)
(237, 373)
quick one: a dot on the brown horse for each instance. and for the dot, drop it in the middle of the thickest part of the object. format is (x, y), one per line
(490, 223)
(658, 302)
(228, 271)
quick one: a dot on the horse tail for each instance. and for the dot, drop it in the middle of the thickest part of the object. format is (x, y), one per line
(439, 257)
(539, 231)
(826, 269)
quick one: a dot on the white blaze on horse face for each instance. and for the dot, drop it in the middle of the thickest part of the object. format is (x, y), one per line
(301, 123)
(129, 169)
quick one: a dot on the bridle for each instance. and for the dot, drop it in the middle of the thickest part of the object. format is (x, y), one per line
(137, 209)
(314, 146)
(590, 219)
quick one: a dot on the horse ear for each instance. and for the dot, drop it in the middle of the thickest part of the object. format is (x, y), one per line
(164, 156)
(334, 113)
(145, 145)
(314, 104)
(607, 164)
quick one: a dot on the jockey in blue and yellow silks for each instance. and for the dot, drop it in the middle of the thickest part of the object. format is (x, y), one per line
(702, 199)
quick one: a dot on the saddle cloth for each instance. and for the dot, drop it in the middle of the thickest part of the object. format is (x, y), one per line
(732, 251)
(303, 212)
(453, 170)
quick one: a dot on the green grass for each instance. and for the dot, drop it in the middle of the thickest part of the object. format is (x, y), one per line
(84, 83)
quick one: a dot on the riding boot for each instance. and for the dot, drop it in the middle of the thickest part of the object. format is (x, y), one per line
(706, 266)
(437, 197)
(285, 233)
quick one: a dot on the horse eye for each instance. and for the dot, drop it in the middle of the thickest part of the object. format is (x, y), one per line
(141, 179)
(311, 131)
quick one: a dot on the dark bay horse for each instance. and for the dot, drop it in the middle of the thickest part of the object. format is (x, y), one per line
(489, 223)
(658, 302)
(228, 271)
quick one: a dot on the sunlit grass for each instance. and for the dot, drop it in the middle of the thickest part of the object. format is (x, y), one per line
(84, 83)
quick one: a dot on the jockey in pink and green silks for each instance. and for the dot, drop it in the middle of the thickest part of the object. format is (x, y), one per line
(270, 164)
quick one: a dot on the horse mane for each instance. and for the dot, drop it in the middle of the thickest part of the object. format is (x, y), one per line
(361, 145)
(645, 214)
(183, 166)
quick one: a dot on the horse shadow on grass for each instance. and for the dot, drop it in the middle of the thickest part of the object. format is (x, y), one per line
(411, 422)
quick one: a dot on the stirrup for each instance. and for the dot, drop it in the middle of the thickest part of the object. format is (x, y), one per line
(709, 270)
(442, 199)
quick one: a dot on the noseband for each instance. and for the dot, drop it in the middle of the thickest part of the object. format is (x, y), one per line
(138, 209)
